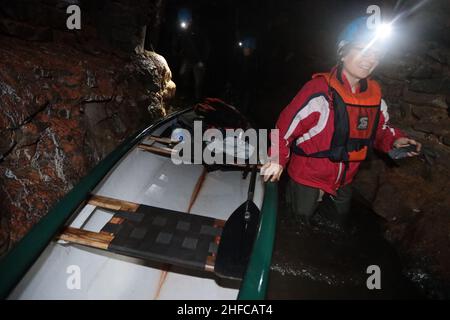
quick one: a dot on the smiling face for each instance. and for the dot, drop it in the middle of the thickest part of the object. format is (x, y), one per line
(359, 62)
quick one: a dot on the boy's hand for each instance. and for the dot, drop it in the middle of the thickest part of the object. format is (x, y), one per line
(404, 142)
(271, 169)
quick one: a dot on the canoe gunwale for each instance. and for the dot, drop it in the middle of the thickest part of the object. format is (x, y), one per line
(256, 279)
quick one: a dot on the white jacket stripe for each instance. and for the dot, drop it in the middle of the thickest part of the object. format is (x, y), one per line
(385, 113)
(317, 104)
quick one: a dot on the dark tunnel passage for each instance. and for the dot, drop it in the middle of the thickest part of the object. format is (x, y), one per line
(287, 42)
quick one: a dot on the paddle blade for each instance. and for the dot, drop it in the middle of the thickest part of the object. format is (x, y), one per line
(236, 242)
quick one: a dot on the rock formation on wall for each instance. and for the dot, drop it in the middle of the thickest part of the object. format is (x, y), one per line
(68, 98)
(412, 195)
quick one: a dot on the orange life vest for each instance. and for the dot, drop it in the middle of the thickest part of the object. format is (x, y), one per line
(356, 117)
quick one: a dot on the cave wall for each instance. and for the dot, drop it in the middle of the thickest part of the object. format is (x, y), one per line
(412, 195)
(119, 24)
(68, 98)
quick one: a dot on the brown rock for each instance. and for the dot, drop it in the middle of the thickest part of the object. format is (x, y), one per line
(424, 113)
(438, 55)
(25, 31)
(446, 88)
(423, 71)
(446, 140)
(28, 134)
(432, 100)
(426, 85)
(415, 209)
(6, 142)
(47, 143)
(438, 129)
(393, 90)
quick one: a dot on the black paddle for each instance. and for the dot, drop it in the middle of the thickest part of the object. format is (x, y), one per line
(238, 236)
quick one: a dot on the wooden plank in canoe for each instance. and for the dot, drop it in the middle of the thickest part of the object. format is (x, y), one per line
(113, 204)
(163, 140)
(99, 240)
(153, 234)
(169, 152)
(159, 150)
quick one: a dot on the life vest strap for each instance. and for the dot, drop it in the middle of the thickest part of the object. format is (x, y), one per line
(356, 118)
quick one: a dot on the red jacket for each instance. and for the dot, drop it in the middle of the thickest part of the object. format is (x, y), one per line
(309, 118)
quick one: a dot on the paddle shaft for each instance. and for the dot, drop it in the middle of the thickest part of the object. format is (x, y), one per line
(251, 192)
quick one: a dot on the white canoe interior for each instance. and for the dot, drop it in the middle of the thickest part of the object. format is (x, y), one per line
(145, 178)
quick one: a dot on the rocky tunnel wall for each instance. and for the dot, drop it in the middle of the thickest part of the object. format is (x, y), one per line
(69, 97)
(412, 195)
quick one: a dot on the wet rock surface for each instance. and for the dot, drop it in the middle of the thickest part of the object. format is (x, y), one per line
(412, 195)
(120, 24)
(66, 101)
(412, 199)
(330, 261)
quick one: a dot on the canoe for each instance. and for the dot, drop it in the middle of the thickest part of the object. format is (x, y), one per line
(139, 226)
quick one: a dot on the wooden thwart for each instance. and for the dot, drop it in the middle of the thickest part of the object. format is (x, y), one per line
(169, 152)
(160, 150)
(163, 140)
(120, 233)
(116, 220)
(99, 240)
(210, 262)
(113, 204)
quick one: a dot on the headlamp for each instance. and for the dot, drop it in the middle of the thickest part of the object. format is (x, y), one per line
(184, 18)
(184, 25)
(382, 33)
(384, 30)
